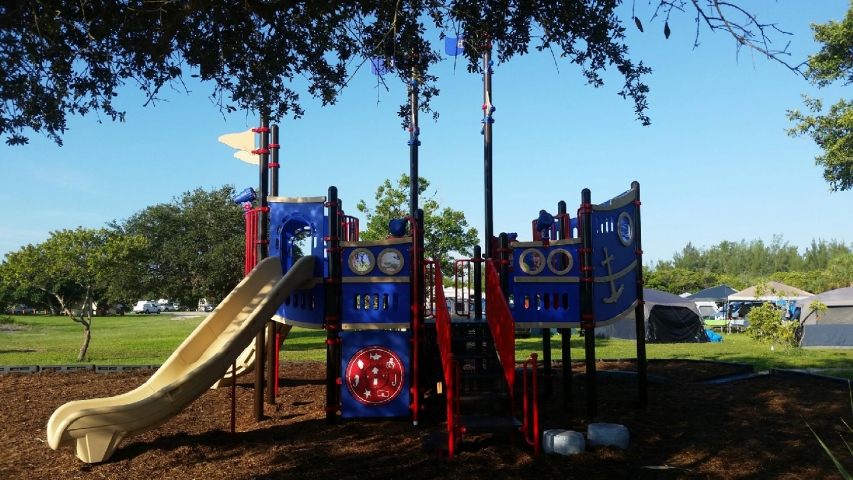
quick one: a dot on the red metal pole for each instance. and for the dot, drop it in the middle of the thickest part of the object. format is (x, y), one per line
(277, 363)
(536, 439)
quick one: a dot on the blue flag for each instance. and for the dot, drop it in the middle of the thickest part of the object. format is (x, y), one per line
(454, 46)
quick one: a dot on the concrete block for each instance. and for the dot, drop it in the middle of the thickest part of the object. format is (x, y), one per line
(569, 443)
(548, 439)
(118, 368)
(608, 434)
(20, 369)
(66, 368)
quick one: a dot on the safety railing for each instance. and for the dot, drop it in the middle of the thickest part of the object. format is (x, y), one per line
(531, 406)
(462, 274)
(500, 323)
(251, 239)
(450, 366)
(430, 287)
(349, 228)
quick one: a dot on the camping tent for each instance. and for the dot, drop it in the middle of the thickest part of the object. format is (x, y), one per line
(772, 291)
(714, 294)
(834, 329)
(669, 319)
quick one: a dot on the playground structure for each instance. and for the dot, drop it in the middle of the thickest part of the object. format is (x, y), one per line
(391, 342)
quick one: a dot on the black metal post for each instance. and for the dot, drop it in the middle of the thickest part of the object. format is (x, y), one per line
(420, 297)
(414, 143)
(639, 311)
(333, 307)
(565, 333)
(274, 166)
(263, 249)
(488, 109)
(272, 371)
(272, 327)
(478, 283)
(587, 307)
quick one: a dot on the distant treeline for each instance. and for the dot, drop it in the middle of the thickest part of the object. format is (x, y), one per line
(825, 265)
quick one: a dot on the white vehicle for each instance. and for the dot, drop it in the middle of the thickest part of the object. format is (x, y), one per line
(143, 306)
(205, 306)
(707, 309)
(167, 307)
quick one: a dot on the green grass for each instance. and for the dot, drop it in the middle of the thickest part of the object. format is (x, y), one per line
(150, 339)
(735, 347)
(131, 339)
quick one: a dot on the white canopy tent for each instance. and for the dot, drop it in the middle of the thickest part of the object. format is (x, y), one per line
(772, 291)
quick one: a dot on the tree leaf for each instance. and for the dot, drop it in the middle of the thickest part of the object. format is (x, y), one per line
(638, 23)
(666, 30)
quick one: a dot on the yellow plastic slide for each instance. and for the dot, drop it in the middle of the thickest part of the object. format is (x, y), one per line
(246, 361)
(95, 427)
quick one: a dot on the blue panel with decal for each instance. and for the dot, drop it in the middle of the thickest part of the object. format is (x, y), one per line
(375, 374)
(376, 284)
(544, 284)
(614, 257)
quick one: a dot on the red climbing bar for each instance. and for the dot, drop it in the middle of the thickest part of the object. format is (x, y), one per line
(531, 426)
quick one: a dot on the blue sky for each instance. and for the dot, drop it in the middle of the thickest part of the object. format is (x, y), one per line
(714, 165)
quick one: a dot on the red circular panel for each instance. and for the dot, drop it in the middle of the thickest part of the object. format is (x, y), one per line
(375, 375)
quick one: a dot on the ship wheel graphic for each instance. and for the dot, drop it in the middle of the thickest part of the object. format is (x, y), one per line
(375, 375)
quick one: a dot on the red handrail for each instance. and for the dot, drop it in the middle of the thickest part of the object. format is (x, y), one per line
(527, 427)
(449, 365)
(500, 323)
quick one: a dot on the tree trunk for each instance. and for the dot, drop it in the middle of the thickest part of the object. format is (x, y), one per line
(87, 332)
(87, 335)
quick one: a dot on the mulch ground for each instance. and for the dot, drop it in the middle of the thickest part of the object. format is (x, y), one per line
(754, 428)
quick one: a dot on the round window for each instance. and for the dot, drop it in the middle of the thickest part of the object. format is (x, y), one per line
(532, 261)
(390, 261)
(560, 261)
(625, 229)
(361, 261)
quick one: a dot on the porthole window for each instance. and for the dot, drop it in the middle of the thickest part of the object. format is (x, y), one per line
(532, 261)
(390, 261)
(361, 261)
(625, 229)
(560, 261)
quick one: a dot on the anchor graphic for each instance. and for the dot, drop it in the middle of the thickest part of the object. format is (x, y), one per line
(615, 293)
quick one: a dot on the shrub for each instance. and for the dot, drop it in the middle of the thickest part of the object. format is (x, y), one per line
(767, 325)
(6, 320)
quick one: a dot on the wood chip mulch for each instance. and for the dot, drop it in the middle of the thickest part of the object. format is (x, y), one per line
(757, 428)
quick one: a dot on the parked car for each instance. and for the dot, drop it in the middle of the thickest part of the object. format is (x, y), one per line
(167, 307)
(146, 307)
(22, 310)
(204, 306)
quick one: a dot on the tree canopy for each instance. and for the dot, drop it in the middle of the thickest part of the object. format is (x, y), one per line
(195, 246)
(59, 57)
(446, 231)
(74, 268)
(831, 130)
(824, 265)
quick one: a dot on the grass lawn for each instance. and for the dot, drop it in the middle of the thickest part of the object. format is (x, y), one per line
(735, 347)
(150, 339)
(116, 340)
